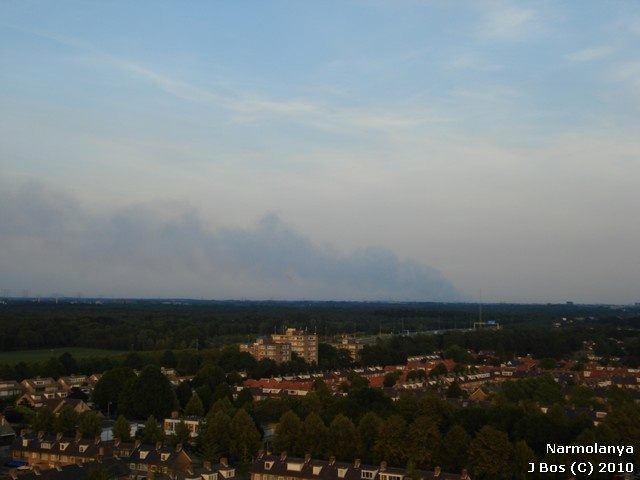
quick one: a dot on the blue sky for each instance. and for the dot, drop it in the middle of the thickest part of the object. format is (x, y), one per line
(389, 150)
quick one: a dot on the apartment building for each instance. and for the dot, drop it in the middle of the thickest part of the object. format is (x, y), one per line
(304, 344)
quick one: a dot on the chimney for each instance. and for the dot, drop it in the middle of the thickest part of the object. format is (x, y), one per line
(356, 463)
(224, 462)
(383, 466)
(260, 453)
(158, 445)
(97, 439)
(206, 465)
(78, 435)
(332, 460)
(137, 444)
(58, 436)
(283, 456)
(23, 432)
(175, 414)
(307, 457)
(40, 435)
(178, 447)
(58, 466)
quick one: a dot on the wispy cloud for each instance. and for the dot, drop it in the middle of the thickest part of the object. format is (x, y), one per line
(507, 22)
(590, 54)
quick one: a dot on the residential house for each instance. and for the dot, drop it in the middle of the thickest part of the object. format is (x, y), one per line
(114, 468)
(159, 459)
(9, 388)
(7, 433)
(45, 451)
(143, 461)
(283, 467)
(192, 422)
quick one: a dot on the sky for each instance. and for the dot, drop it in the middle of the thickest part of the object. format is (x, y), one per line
(405, 150)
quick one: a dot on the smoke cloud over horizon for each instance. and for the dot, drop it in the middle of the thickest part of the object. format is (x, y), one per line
(51, 243)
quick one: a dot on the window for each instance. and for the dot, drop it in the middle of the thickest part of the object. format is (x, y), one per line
(367, 474)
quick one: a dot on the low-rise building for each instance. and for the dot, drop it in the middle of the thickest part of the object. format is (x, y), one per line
(265, 347)
(193, 423)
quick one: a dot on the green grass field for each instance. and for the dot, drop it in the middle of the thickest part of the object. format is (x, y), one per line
(30, 356)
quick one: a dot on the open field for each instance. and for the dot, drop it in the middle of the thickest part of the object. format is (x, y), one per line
(30, 356)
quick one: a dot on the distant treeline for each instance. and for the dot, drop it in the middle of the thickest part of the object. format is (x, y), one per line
(613, 344)
(153, 325)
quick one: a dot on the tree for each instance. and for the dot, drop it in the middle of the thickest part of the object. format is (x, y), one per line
(390, 378)
(152, 432)
(223, 405)
(43, 420)
(548, 363)
(122, 429)
(210, 375)
(391, 442)
(194, 406)
(245, 437)
(423, 441)
(184, 392)
(108, 388)
(343, 438)
(368, 432)
(90, 425)
(182, 435)
(491, 454)
(287, 434)
(624, 423)
(522, 457)
(214, 437)
(133, 360)
(313, 436)
(68, 363)
(244, 398)
(454, 390)
(265, 368)
(582, 396)
(419, 374)
(455, 446)
(149, 394)
(66, 421)
(168, 359)
(438, 370)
